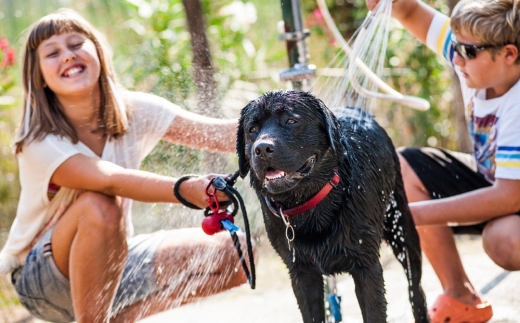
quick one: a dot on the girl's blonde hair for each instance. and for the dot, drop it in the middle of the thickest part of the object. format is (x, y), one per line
(490, 21)
(43, 114)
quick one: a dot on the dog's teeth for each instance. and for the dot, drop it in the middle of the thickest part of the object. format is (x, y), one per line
(275, 174)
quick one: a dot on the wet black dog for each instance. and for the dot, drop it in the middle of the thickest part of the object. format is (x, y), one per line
(330, 190)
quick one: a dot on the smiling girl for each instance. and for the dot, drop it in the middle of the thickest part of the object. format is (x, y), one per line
(71, 250)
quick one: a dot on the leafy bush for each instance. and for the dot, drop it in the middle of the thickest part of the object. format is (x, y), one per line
(8, 169)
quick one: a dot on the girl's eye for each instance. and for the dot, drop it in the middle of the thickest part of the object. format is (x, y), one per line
(52, 54)
(78, 45)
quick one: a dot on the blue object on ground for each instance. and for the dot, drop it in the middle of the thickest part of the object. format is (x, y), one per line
(334, 307)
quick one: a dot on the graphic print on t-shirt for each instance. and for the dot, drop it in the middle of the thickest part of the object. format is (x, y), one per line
(483, 131)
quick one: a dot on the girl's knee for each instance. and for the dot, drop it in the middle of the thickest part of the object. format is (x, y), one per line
(101, 211)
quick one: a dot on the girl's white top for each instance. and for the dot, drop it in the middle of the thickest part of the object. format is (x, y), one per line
(150, 117)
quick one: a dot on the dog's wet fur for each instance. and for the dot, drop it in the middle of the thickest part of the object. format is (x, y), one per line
(291, 142)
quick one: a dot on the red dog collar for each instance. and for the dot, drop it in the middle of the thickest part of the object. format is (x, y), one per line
(315, 200)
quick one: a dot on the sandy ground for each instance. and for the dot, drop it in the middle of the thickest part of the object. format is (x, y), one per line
(273, 300)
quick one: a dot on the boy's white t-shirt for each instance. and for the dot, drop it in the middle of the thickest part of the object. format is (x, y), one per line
(149, 120)
(494, 124)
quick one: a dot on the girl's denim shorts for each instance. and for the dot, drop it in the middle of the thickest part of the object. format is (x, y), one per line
(45, 291)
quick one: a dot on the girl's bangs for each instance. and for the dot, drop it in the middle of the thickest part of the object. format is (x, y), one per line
(56, 24)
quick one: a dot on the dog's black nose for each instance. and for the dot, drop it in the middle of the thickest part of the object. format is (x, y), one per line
(264, 148)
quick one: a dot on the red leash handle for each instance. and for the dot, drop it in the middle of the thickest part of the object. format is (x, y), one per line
(213, 202)
(212, 223)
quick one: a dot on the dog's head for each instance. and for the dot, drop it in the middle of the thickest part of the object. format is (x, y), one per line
(284, 137)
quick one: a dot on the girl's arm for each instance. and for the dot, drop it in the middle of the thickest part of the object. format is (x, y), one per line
(503, 198)
(93, 174)
(201, 132)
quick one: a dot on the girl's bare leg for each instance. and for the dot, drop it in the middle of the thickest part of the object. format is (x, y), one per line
(89, 247)
(189, 265)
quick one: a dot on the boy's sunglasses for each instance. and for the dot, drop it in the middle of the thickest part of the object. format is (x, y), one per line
(468, 51)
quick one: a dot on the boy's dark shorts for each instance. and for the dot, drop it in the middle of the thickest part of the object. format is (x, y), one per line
(445, 173)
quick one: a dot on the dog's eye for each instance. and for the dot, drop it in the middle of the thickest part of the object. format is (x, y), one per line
(291, 121)
(252, 130)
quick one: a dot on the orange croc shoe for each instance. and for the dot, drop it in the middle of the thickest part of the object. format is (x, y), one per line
(447, 309)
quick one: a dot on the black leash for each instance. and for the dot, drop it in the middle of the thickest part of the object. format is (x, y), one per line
(217, 220)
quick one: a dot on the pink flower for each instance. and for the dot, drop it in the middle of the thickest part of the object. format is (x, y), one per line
(11, 55)
(317, 14)
(9, 58)
(4, 43)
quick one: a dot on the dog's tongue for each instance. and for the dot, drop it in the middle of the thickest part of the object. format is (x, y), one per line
(274, 174)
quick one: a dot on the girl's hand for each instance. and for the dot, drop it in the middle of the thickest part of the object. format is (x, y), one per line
(194, 190)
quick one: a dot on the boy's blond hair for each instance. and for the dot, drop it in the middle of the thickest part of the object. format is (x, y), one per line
(43, 114)
(489, 21)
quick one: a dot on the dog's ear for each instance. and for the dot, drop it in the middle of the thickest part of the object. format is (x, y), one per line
(332, 126)
(243, 163)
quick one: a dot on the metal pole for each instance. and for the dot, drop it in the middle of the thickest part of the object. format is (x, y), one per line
(293, 33)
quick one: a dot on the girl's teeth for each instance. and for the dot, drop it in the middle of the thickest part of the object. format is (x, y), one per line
(73, 71)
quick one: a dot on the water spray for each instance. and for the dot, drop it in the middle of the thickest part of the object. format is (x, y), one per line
(217, 220)
(370, 38)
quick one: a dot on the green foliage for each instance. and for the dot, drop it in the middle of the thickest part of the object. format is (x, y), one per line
(416, 70)
(8, 170)
(161, 54)
(162, 57)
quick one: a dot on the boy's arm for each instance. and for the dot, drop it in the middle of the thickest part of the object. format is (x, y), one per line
(414, 15)
(503, 198)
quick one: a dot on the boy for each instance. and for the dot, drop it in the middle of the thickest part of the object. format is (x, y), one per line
(480, 193)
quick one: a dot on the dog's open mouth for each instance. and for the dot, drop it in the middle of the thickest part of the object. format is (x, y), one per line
(275, 175)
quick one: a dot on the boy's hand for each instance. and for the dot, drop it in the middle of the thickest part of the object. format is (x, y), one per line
(371, 4)
(414, 15)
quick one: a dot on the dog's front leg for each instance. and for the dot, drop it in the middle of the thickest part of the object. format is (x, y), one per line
(307, 284)
(370, 292)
